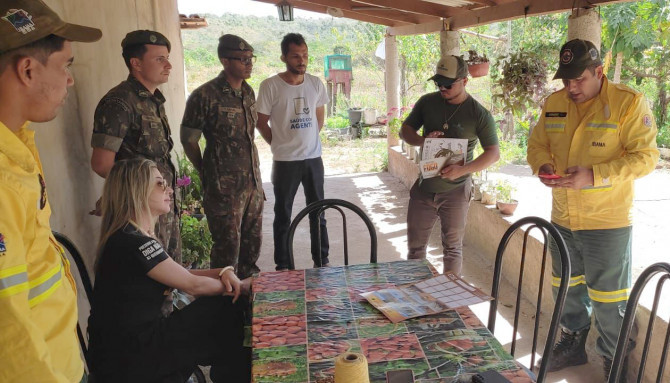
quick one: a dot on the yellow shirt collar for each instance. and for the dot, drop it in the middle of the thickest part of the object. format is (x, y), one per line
(19, 147)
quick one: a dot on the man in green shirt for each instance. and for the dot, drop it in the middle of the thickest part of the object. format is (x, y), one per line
(448, 113)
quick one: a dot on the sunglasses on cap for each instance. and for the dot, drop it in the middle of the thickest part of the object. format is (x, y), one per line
(443, 83)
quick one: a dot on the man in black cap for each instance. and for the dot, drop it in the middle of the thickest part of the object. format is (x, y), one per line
(592, 141)
(448, 113)
(130, 121)
(38, 303)
(224, 110)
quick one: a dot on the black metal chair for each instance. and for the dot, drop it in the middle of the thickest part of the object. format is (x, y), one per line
(622, 348)
(74, 255)
(546, 228)
(319, 207)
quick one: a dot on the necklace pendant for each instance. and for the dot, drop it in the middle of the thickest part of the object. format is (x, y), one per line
(445, 126)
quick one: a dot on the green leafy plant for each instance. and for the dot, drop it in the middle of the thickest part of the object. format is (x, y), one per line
(522, 81)
(336, 122)
(395, 123)
(196, 241)
(475, 58)
(504, 191)
(189, 187)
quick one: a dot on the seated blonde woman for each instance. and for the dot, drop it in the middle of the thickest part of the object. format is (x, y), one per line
(129, 339)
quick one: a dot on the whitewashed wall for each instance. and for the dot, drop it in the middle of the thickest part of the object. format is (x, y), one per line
(64, 143)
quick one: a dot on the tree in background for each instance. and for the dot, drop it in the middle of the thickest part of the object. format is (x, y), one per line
(638, 34)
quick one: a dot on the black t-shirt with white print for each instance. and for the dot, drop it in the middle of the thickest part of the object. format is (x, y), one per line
(125, 299)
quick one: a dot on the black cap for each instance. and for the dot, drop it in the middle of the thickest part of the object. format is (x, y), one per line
(145, 36)
(576, 56)
(450, 69)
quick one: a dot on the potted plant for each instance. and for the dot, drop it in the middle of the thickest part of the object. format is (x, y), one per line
(196, 242)
(478, 65)
(488, 193)
(504, 201)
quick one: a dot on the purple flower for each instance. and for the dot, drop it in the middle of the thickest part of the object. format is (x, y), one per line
(183, 181)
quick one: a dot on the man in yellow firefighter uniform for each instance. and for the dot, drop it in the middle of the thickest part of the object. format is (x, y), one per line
(598, 137)
(38, 305)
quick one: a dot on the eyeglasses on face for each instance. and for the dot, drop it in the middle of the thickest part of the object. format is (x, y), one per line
(243, 60)
(162, 185)
(441, 84)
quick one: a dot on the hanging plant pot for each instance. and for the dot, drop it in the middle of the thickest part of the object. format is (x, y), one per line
(507, 208)
(479, 70)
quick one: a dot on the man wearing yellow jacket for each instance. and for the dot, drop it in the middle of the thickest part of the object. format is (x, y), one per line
(598, 137)
(38, 306)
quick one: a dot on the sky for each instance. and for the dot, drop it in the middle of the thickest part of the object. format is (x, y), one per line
(243, 7)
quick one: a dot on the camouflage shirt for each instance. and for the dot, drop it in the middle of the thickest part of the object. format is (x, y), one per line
(131, 121)
(227, 117)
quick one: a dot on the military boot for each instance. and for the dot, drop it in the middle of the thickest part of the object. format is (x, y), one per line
(569, 351)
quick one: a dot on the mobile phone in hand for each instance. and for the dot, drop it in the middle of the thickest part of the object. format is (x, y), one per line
(549, 176)
(400, 376)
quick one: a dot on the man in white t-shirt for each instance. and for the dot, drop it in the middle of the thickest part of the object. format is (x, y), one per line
(293, 104)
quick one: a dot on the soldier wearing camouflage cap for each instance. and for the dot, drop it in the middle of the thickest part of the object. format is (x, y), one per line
(224, 110)
(38, 302)
(593, 139)
(130, 121)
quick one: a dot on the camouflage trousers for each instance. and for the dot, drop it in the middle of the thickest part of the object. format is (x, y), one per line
(237, 234)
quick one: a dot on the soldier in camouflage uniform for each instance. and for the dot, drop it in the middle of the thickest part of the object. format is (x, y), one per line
(130, 121)
(224, 110)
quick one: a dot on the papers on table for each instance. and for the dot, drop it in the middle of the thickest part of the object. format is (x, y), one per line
(429, 296)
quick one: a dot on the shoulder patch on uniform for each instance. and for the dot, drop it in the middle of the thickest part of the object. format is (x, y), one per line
(116, 102)
(3, 248)
(647, 121)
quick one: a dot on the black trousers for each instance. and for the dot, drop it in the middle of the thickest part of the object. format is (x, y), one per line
(209, 331)
(286, 177)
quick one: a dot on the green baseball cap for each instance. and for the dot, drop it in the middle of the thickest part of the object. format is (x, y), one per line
(145, 36)
(26, 21)
(234, 43)
(576, 55)
(451, 69)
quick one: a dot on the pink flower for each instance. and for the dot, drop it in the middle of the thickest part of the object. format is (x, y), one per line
(185, 212)
(183, 181)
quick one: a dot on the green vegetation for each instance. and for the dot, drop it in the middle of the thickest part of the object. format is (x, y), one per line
(640, 31)
(196, 241)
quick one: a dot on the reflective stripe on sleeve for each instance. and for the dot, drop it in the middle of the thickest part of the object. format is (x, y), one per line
(13, 280)
(43, 286)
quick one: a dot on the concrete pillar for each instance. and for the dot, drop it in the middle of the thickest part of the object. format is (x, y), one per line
(450, 43)
(585, 24)
(392, 82)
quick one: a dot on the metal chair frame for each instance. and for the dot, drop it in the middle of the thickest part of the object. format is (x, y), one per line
(320, 207)
(544, 227)
(629, 318)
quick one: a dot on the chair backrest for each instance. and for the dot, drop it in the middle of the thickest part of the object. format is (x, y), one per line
(629, 318)
(546, 228)
(75, 255)
(319, 207)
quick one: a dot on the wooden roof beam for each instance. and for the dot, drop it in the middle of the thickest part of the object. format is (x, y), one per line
(420, 7)
(503, 12)
(391, 14)
(347, 14)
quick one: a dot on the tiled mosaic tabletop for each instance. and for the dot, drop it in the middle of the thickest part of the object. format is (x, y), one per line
(303, 319)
